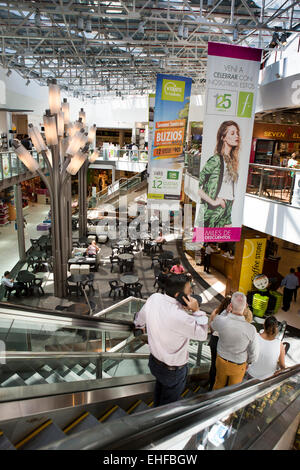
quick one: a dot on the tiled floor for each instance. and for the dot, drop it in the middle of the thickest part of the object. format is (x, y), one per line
(9, 255)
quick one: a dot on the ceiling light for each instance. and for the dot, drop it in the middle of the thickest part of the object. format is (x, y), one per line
(37, 18)
(50, 128)
(54, 97)
(27, 83)
(275, 39)
(141, 28)
(283, 38)
(185, 32)
(80, 81)
(80, 24)
(235, 35)
(25, 157)
(180, 30)
(88, 26)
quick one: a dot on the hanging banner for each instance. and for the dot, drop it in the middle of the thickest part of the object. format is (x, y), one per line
(151, 104)
(232, 80)
(166, 160)
(252, 263)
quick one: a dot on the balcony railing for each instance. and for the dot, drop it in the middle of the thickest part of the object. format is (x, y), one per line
(272, 182)
(265, 181)
(122, 155)
(11, 165)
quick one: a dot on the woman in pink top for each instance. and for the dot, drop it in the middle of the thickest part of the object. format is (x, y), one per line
(177, 268)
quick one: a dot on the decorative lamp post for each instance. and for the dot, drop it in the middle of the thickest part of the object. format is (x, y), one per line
(61, 164)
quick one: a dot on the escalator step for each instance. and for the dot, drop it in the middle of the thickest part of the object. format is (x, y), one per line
(62, 370)
(114, 413)
(45, 371)
(137, 407)
(77, 369)
(85, 421)
(54, 378)
(42, 436)
(13, 381)
(35, 379)
(151, 404)
(5, 443)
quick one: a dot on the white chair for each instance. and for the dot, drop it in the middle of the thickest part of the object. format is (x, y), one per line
(85, 269)
(91, 238)
(75, 269)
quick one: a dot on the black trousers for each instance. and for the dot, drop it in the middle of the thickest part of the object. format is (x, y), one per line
(213, 342)
(295, 293)
(287, 298)
(206, 263)
(169, 383)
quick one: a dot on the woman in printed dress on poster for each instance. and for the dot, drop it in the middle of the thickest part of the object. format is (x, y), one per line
(218, 178)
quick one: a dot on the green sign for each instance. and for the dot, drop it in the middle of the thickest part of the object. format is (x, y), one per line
(172, 175)
(172, 90)
(245, 104)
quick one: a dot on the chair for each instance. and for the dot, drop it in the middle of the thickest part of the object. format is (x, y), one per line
(114, 260)
(90, 282)
(37, 285)
(136, 290)
(115, 288)
(129, 265)
(32, 262)
(155, 261)
(34, 243)
(72, 288)
(8, 291)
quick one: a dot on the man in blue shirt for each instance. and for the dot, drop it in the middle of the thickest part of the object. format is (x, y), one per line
(290, 283)
(17, 286)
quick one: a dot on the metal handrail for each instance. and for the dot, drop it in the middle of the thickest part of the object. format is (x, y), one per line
(273, 167)
(163, 424)
(70, 354)
(121, 303)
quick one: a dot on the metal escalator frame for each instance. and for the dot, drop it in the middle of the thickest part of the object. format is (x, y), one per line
(161, 425)
(17, 312)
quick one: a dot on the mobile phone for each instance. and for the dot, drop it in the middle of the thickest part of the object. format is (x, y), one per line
(181, 300)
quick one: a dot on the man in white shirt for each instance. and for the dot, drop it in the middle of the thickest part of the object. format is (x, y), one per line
(237, 345)
(8, 282)
(208, 251)
(169, 328)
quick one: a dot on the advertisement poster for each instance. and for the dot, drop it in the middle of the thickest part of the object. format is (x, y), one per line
(296, 192)
(231, 87)
(252, 263)
(151, 104)
(166, 160)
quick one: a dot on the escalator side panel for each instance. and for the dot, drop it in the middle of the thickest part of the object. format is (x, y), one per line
(42, 436)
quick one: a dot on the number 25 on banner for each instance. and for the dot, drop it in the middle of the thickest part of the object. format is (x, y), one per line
(223, 101)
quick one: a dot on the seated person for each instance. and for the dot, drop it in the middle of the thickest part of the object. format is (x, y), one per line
(8, 282)
(92, 249)
(177, 268)
(163, 276)
(160, 238)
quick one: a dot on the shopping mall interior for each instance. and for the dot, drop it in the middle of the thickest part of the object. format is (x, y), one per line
(87, 237)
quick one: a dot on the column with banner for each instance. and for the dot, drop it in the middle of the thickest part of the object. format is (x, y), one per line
(232, 80)
(166, 160)
(252, 263)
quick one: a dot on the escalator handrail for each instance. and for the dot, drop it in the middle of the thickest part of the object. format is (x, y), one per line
(69, 315)
(160, 423)
(69, 354)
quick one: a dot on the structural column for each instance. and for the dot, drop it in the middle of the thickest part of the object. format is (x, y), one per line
(82, 195)
(20, 222)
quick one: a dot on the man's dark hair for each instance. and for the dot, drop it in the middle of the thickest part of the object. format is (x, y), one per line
(175, 284)
(292, 270)
(6, 273)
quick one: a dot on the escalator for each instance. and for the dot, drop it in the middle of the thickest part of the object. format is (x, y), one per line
(70, 383)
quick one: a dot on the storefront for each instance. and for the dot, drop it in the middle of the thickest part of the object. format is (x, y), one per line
(273, 144)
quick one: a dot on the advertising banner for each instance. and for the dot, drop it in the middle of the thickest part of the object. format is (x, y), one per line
(232, 79)
(151, 104)
(252, 263)
(296, 193)
(166, 160)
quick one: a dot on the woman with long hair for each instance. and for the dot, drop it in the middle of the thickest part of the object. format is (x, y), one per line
(271, 352)
(218, 178)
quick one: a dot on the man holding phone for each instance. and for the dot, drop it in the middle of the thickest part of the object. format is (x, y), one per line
(170, 327)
